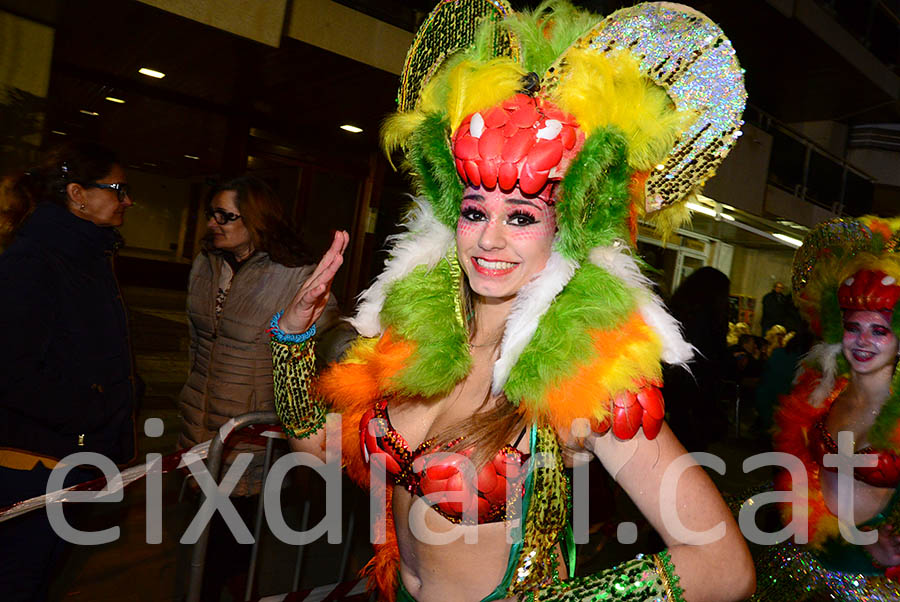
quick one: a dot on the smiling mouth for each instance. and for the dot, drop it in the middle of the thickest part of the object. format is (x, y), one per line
(493, 268)
(862, 356)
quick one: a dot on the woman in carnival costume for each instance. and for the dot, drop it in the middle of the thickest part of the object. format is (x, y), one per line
(512, 306)
(846, 282)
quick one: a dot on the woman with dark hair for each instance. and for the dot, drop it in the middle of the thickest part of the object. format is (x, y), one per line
(251, 264)
(694, 397)
(67, 382)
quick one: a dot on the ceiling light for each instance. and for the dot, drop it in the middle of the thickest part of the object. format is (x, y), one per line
(194, 157)
(351, 128)
(151, 73)
(790, 240)
(91, 113)
(58, 133)
(701, 209)
(727, 217)
(118, 101)
(148, 164)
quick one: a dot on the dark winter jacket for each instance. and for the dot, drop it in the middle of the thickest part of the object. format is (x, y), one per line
(66, 372)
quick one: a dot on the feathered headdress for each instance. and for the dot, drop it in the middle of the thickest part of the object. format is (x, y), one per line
(847, 264)
(628, 114)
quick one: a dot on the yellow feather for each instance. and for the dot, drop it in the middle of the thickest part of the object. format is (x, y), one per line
(396, 130)
(471, 86)
(359, 350)
(610, 90)
(668, 219)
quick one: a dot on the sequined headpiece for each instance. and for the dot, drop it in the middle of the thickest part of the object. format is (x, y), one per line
(632, 113)
(847, 264)
(625, 115)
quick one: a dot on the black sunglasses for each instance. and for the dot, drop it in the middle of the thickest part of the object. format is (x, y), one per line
(121, 188)
(221, 216)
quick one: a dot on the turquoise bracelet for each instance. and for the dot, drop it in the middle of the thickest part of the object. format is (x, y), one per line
(288, 339)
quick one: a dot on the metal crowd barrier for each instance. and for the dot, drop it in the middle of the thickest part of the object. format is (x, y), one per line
(214, 465)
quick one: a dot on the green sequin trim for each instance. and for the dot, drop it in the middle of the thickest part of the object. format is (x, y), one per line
(671, 579)
(546, 510)
(293, 366)
(644, 579)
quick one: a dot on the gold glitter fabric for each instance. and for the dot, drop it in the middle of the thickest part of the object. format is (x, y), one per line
(546, 507)
(834, 240)
(644, 579)
(790, 572)
(451, 26)
(689, 56)
(293, 368)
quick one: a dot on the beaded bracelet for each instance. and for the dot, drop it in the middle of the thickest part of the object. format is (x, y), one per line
(286, 338)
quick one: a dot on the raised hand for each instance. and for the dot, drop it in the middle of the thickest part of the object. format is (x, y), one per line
(309, 302)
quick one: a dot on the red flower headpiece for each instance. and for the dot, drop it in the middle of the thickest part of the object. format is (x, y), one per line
(524, 140)
(869, 290)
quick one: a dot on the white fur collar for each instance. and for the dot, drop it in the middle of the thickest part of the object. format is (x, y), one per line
(532, 302)
(424, 242)
(824, 355)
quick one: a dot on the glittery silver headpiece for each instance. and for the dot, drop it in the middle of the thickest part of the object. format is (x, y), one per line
(688, 55)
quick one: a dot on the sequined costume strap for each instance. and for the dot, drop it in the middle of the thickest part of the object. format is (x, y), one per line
(293, 367)
(644, 579)
(546, 506)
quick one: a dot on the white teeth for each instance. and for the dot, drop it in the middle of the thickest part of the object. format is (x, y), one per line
(494, 265)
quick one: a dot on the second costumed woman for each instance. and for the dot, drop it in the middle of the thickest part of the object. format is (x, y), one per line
(512, 306)
(845, 279)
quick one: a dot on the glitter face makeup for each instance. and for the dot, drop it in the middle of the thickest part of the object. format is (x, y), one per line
(869, 343)
(504, 239)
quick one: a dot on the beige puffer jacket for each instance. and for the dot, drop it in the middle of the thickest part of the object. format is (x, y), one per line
(230, 361)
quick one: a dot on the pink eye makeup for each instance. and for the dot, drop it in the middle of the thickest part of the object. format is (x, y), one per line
(526, 219)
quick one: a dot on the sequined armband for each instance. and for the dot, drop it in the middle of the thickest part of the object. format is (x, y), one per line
(293, 366)
(644, 579)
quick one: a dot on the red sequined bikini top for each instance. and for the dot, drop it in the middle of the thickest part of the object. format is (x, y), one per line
(428, 473)
(885, 474)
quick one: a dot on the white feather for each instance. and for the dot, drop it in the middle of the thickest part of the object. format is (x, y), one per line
(825, 356)
(425, 242)
(530, 304)
(617, 260)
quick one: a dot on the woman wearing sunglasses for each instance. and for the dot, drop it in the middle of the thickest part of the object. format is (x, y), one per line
(251, 264)
(67, 383)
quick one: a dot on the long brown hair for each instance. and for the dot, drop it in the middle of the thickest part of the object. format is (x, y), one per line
(263, 215)
(75, 161)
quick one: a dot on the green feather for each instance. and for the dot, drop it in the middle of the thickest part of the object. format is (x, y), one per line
(421, 308)
(885, 425)
(594, 195)
(435, 171)
(593, 299)
(832, 318)
(540, 51)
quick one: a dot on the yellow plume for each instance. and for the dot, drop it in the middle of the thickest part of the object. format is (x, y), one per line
(610, 90)
(667, 220)
(470, 86)
(396, 130)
